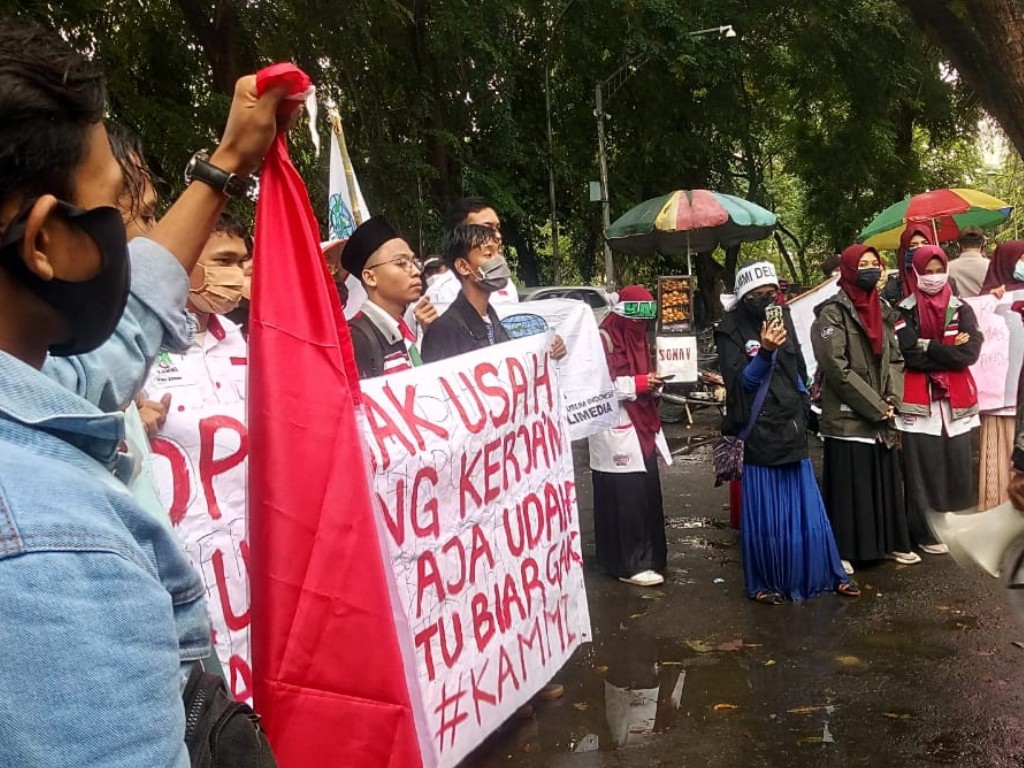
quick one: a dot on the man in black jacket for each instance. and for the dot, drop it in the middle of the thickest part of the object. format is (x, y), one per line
(387, 268)
(474, 254)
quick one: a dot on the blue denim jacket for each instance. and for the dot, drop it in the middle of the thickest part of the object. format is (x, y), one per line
(99, 607)
(100, 611)
(154, 319)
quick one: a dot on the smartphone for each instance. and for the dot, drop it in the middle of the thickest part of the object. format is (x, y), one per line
(773, 314)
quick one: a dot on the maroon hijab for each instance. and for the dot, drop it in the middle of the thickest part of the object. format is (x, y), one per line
(1000, 269)
(907, 277)
(932, 309)
(631, 356)
(865, 300)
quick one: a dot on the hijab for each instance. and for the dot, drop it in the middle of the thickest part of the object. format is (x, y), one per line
(907, 276)
(931, 309)
(631, 356)
(865, 300)
(931, 312)
(1000, 268)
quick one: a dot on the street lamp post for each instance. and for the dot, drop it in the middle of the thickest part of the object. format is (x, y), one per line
(605, 90)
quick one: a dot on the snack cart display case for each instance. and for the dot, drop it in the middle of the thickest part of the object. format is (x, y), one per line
(676, 342)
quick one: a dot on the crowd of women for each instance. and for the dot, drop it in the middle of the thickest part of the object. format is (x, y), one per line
(893, 399)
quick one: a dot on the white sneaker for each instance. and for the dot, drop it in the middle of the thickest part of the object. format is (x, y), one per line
(906, 558)
(934, 549)
(644, 579)
(848, 567)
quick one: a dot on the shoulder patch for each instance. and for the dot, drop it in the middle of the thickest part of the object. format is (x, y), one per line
(827, 331)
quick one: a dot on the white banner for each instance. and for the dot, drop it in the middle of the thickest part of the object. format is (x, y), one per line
(801, 310)
(587, 388)
(998, 368)
(474, 476)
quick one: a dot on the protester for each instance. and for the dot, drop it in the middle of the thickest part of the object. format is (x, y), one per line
(331, 251)
(474, 255)
(1005, 270)
(969, 269)
(387, 269)
(900, 285)
(789, 552)
(139, 199)
(433, 268)
(861, 389)
(92, 589)
(1005, 273)
(470, 210)
(939, 339)
(629, 518)
(207, 423)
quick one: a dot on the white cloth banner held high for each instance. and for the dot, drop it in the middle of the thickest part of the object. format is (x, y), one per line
(474, 478)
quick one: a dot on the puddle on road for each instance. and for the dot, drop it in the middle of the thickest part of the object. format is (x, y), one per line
(689, 523)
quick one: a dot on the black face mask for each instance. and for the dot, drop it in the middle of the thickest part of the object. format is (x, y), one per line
(91, 308)
(868, 278)
(756, 305)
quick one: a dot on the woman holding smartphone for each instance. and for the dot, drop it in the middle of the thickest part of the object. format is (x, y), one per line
(861, 389)
(788, 549)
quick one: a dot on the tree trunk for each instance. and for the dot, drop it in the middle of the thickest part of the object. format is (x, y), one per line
(984, 40)
(219, 35)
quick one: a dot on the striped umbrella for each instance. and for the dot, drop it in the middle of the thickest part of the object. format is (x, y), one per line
(945, 211)
(689, 221)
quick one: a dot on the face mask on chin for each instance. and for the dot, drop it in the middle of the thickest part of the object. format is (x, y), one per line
(221, 290)
(91, 308)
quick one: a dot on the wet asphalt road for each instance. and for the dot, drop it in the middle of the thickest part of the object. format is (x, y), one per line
(922, 670)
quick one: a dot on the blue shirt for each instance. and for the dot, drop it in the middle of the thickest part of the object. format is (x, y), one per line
(101, 612)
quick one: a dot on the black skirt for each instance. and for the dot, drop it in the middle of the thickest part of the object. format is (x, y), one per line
(863, 493)
(939, 477)
(629, 521)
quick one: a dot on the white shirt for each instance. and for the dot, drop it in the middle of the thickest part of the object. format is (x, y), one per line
(200, 462)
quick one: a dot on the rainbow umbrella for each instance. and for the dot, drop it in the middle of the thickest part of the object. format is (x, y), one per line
(689, 221)
(945, 211)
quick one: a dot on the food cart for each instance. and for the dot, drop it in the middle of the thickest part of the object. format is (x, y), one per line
(675, 341)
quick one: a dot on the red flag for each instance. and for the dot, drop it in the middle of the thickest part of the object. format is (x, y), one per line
(328, 671)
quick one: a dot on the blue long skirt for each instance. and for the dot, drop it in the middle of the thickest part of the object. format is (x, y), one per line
(788, 545)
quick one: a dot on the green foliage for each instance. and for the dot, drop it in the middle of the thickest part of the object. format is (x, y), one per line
(823, 111)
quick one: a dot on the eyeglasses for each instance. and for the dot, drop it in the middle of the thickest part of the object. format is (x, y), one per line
(402, 262)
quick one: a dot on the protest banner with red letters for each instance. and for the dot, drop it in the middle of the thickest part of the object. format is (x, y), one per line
(474, 479)
(200, 461)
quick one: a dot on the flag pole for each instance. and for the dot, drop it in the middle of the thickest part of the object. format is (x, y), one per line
(346, 162)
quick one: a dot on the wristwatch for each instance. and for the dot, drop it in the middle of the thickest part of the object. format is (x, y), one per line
(200, 168)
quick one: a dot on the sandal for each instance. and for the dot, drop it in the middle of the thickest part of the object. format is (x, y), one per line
(767, 597)
(848, 589)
